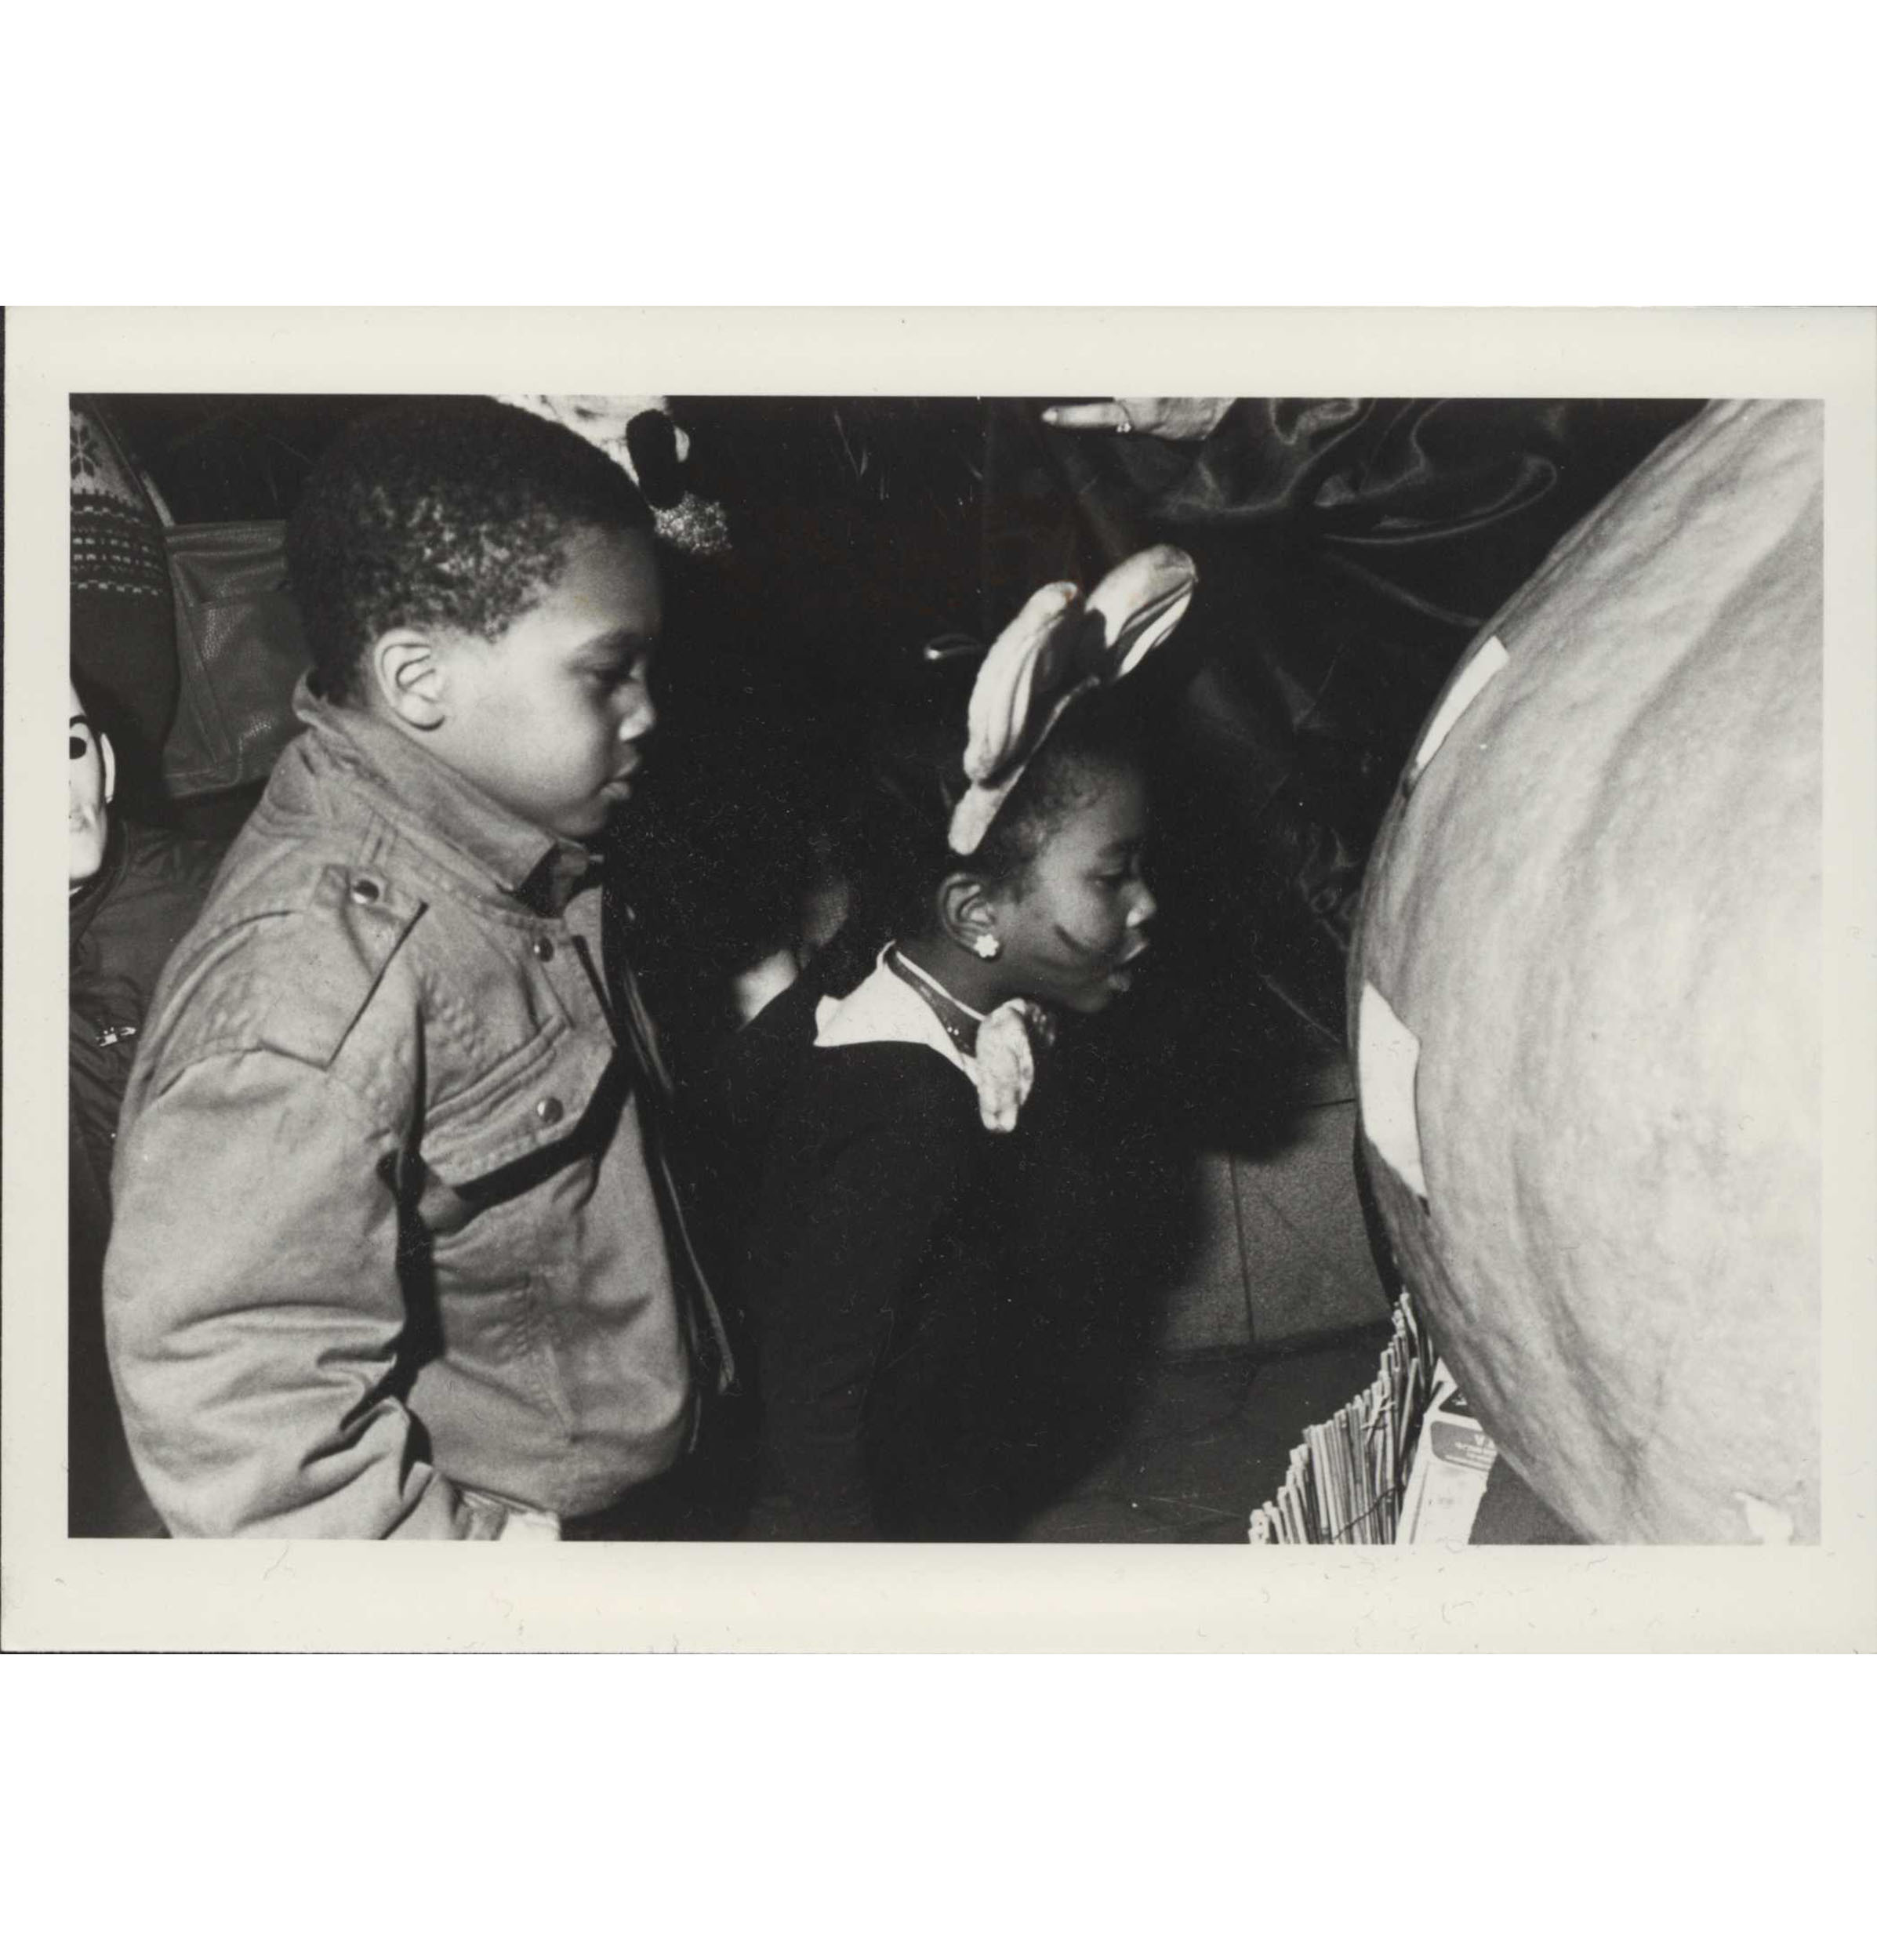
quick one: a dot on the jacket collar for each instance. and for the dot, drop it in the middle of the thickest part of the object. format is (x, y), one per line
(530, 864)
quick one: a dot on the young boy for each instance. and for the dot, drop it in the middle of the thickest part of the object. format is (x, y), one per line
(395, 1251)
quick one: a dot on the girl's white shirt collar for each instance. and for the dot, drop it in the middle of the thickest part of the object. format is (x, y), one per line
(884, 1008)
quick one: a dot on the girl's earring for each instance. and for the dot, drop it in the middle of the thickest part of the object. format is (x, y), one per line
(987, 945)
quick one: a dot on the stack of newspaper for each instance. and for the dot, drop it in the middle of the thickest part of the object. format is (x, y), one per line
(1452, 1461)
(1347, 1476)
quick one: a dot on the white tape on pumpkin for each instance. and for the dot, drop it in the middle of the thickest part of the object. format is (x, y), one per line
(1488, 658)
(1387, 1058)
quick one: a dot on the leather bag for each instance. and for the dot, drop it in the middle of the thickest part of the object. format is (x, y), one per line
(242, 649)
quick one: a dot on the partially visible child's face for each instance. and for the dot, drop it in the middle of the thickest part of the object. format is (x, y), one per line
(1071, 936)
(548, 716)
(89, 824)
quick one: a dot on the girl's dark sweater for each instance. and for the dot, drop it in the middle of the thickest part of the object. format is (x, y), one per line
(872, 1224)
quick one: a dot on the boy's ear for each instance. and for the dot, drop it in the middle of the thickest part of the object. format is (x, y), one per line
(108, 756)
(408, 673)
(965, 909)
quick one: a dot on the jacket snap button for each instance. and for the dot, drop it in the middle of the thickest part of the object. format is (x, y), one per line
(544, 948)
(365, 892)
(549, 1110)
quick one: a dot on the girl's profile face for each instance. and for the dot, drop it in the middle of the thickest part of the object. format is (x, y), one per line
(1071, 936)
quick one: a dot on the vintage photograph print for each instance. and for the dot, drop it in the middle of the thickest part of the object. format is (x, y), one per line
(719, 983)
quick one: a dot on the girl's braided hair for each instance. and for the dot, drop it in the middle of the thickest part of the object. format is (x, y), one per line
(892, 835)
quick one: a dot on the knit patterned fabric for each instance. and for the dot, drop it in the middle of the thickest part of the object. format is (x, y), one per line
(116, 543)
(123, 623)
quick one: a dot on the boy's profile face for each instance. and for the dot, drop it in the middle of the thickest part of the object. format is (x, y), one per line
(548, 716)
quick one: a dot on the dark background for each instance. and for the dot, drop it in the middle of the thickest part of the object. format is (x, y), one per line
(1348, 552)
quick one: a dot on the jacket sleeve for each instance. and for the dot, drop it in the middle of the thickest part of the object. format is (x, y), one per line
(253, 1310)
(882, 1185)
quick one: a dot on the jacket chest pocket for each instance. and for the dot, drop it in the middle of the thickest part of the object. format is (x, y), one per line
(548, 1099)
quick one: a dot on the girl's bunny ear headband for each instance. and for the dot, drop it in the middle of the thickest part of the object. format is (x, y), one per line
(1058, 648)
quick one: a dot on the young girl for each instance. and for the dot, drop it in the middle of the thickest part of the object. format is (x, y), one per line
(876, 1102)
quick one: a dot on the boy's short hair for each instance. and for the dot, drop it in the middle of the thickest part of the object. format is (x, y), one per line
(450, 513)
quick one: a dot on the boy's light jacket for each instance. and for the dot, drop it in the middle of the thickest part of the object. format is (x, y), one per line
(387, 1240)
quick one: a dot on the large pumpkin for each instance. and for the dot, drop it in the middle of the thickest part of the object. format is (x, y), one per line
(1584, 997)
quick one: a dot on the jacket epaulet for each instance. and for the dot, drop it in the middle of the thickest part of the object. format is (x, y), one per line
(308, 969)
(344, 937)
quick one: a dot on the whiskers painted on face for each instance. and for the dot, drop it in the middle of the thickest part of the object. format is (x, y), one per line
(1075, 945)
